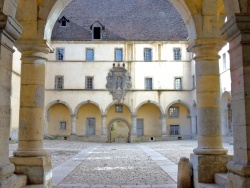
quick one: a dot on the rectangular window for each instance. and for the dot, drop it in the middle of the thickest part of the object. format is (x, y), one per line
(177, 84)
(59, 54)
(177, 54)
(174, 129)
(147, 54)
(140, 125)
(89, 83)
(173, 112)
(148, 84)
(59, 82)
(224, 60)
(89, 55)
(90, 126)
(118, 108)
(118, 54)
(62, 125)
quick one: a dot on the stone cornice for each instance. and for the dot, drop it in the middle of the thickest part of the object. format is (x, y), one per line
(34, 45)
(235, 26)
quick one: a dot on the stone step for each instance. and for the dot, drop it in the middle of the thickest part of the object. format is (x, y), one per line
(21, 180)
(208, 185)
(220, 179)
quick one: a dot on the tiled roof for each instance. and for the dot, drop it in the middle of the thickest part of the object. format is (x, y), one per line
(139, 20)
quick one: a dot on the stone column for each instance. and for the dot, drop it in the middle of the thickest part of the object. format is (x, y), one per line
(193, 125)
(10, 31)
(104, 126)
(134, 123)
(30, 157)
(237, 32)
(208, 96)
(73, 124)
(163, 125)
(210, 156)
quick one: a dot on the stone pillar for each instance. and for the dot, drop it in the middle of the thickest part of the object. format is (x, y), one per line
(193, 125)
(237, 32)
(73, 124)
(30, 158)
(10, 31)
(104, 126)
(210, 156)
(163, 125)
(208, 96)
(134, 127)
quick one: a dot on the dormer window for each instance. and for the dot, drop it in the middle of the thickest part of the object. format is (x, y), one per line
(97, 28)
(63, 21)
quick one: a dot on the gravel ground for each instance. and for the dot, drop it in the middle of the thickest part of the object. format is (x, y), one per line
(118, 164)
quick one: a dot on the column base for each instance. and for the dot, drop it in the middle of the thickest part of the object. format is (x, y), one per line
(238, 175)
(37, 169)
(8, 181)
(206, 166)
(104, 138)
(133, 138)
(201, 151)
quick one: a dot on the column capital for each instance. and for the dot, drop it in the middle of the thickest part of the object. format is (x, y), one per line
(133, 116)
(104, 116)
(207, 48)
(162, 116)
(73, 115)
(235, 26)
(34, 45)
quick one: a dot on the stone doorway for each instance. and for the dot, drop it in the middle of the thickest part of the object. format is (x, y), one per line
(119, 131)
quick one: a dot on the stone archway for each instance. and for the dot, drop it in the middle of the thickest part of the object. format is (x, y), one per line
(119, 130)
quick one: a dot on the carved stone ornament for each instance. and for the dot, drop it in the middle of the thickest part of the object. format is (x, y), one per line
(118, 82)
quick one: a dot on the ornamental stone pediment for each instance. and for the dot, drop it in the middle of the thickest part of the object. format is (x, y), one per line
(118, 82)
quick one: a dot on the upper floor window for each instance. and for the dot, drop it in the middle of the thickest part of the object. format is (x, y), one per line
(59, 82)
(97, 28)
(173, 112)
(148, 84)
(89, 55)
(178, 83)
(147, 54)
(118, 54)
(59, 54)
(89, 83)
(63, 21)
(174, 129)
(177, 53)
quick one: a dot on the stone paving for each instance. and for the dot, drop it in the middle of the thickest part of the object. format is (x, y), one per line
(86, 164)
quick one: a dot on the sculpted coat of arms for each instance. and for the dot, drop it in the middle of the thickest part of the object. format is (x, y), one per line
(118, 82)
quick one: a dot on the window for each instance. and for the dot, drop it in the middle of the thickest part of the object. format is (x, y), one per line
(59, 82)
(89, 83)
(177, 84)
(63, 21)
(89, 55)
(148, 84)
(90, 126)
(173, 112)
(118, 108)
(118, 54)
(97, 33)
(177, 54)
(147, 54)
(62, 125)
(174, 129)
(140, 125)
(224, 60)
(59, 54)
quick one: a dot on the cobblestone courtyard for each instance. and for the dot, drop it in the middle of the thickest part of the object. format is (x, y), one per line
(87, 164)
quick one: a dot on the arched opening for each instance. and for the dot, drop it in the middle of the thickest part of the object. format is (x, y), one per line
(88, 122)
(179, 121)
(149, 121)
(119, 131)
(58, 120)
